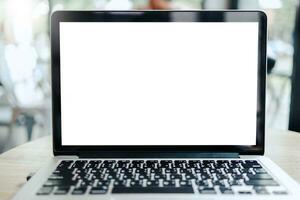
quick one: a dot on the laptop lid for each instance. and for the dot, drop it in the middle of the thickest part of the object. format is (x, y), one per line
(158, 83)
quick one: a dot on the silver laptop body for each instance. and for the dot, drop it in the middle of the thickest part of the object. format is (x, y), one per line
(158, 105)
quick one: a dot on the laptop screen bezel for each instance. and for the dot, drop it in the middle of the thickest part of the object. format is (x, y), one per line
(155, 16)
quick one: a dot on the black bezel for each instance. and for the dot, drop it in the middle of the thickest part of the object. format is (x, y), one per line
(155, 16)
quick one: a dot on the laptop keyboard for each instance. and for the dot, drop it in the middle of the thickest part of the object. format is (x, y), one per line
(99, 177)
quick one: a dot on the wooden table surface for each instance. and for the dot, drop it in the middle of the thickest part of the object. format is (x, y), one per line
(283, 147)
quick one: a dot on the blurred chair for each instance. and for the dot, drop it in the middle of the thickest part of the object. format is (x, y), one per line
(6, 114)
(270, 64)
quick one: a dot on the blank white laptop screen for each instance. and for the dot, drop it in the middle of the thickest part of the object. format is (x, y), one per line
(158, 83)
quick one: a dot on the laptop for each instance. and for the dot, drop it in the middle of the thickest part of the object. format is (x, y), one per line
(159, 105)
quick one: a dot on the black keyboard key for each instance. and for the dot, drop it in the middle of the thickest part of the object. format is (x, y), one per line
(251, 166)
(208, 163)
(261, 190)
(234, 183)
(237, 176)
(259, 176)
(193, 161)
(176, 176)
(223, 176)
(65, 182)
(135, 164)
(103, 183)
(257, 182)
(231, 171)
(79, 164)
(222, 161)
(137, 161)
(108, 164)
(64, 164)
(169, 183)
(165, 163)
(45, 191)
(168, 189)
(122, 163)
(259, 170)
(99, 190)
(218, 182)
(207, 190)
(93, 164)
(151, 183)
(202, 183)
(109, 161)
(245, 192)
(151, 163)
(236, 161)
(184, 183)
(251, 163)
(179, 163)
(79, 191)
(62, 190)
(225, 190)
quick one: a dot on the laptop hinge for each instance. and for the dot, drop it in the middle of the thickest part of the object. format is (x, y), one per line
(157, 155)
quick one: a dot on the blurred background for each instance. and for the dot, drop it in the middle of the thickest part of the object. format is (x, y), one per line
(25, 105)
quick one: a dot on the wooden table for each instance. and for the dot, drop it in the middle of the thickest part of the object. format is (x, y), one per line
(283, 147)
